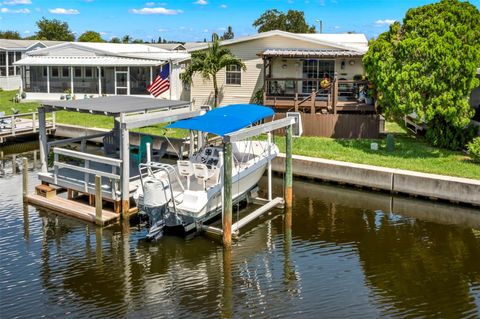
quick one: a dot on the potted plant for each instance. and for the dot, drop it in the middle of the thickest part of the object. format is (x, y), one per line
(325, 83)
(68, 94)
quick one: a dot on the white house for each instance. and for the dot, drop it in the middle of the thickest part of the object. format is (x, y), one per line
(12, 51)
(86, 69)
(288, 67)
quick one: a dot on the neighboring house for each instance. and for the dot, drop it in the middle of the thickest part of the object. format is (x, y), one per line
(12, 51)
(289, 67)
(86, 69)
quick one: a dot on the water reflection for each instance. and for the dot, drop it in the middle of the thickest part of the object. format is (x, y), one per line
(339, 252)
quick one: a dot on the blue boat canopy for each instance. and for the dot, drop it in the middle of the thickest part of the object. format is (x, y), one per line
(225, 120)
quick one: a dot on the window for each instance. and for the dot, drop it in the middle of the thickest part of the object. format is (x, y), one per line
(65, 72)
(316, 70)
(78, 72)
(88, 73)
(55, 72)
(234, 75)
(45, 71)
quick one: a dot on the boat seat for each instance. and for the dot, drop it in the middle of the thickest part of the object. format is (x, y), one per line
(202, 173)
(185, 169)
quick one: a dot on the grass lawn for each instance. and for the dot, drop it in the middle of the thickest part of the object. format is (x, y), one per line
(410, 153)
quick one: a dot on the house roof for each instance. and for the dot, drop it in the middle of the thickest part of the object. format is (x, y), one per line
(167, 46)
(310, 53)
(356, 42)
(114, 105)
(102, 48)
(25, 44)
(85, 61)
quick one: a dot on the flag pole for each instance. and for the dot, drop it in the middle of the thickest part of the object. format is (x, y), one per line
(170, 77)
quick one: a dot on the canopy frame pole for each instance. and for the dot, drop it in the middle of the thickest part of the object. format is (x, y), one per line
(269, 172)
(227, 195)
(288, 168)
(42, 138)
(125, 157)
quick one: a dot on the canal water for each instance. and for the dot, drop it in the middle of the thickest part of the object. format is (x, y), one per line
(340, 253)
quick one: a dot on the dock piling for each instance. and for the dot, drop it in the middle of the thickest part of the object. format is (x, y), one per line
(288, 168)
(227, 194)
(25, 178)
(98, 200)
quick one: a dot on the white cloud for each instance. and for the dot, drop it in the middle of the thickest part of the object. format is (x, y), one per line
(26, 31)
(384, 22)
(162, 30)
(64, 11)
(6, 10)
(155, 11)
(223, 6)
(14, 2)
(201, 2)
(149, 4)
(337, 27)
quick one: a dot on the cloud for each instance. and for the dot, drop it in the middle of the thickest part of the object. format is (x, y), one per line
(201, 2)
(149, 4)
(223, 6)
(64, 11)
(6, 10)
(336, 27)
(158, 10)
(15, 2)
(162, 30)
(384, 22)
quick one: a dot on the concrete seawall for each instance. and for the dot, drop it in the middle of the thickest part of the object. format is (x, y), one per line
(454, 189)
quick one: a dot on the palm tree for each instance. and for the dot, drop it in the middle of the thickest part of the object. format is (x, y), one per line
(208, 62)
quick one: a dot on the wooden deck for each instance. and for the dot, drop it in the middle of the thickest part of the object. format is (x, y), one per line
(20, 125)
(71, 208)
(287, 104)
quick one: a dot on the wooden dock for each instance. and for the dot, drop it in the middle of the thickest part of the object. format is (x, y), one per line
(12, 126)
(71, 208)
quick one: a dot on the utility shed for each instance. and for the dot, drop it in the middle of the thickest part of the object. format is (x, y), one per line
(118, 168)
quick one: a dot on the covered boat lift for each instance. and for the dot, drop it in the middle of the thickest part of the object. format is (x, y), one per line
(233, 126)
(116, 172)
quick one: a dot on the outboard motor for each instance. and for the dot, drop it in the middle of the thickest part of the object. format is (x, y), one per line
(156, 195)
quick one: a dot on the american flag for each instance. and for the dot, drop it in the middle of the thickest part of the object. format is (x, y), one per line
(161, 82)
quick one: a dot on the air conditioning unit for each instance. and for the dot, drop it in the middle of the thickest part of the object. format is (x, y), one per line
(297, 128)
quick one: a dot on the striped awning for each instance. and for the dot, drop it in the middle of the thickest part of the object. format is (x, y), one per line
(85, 61)
(311, 53)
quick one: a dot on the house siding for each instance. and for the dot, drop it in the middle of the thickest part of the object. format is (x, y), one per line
(252, 78)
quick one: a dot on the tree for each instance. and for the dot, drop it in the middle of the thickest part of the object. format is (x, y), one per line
(208, 63)
(227, 35)
(90, 36)
(138, 41)
(53, 30)
(115, 40)
(292, 21)
(427, 65)
(126, 39)
(10, 34)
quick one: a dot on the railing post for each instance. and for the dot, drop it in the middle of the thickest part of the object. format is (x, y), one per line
(312, 105)
(335, 94)
(12, 121)
(264, 96)
(227, 194)
(149, 153)
(86, 176)
(34, 120)
(295, 102)
(25, 178)
(288, 168)
(98, 200)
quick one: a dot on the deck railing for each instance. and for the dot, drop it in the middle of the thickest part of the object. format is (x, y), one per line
(106, 167)
(16, 123)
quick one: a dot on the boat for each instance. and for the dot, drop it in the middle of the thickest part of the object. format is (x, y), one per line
(189, 194)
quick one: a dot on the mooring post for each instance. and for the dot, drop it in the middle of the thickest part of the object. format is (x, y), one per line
(25, 178)
(98, 200)
(288, 168)
(42, 136)
(149, 152)
(227, 194)
(125, 157)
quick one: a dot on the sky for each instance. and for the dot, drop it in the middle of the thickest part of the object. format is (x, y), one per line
(194, 20)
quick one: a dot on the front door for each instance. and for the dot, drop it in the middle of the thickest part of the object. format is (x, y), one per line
(121, 80)
(316, 70)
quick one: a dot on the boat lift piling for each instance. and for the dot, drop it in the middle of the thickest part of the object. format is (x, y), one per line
(226, 230)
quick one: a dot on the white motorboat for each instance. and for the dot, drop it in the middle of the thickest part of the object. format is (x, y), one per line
(190, 193)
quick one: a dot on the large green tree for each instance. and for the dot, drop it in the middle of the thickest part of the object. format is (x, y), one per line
(90, 36)
(291, 21)
(427, 65)
(53, 30)
(9, 34)
(209, 62)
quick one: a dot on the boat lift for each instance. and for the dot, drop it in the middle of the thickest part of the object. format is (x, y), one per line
(269, 203)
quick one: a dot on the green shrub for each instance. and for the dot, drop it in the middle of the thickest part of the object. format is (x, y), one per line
(474, 149)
